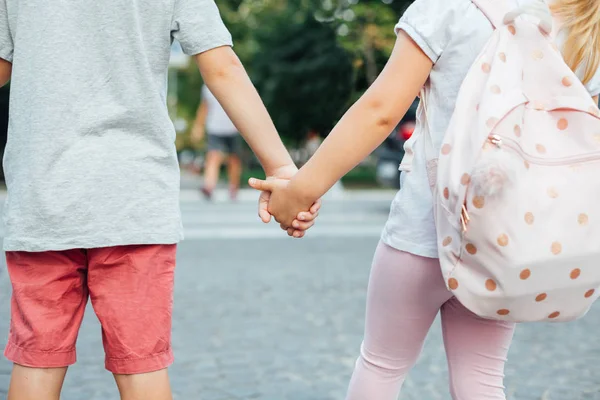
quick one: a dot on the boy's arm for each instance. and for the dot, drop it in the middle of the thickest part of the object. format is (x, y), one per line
(5, 72)
(227, 79)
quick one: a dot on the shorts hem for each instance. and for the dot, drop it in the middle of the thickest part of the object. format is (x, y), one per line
(39, 359)
(142, 365)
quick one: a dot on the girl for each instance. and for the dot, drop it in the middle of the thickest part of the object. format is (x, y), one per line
(438, 41)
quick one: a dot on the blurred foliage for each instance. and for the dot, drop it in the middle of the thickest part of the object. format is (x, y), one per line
(308, 58)
(303, 75)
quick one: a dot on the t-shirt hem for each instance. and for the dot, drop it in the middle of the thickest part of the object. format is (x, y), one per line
(6, 54)
(35, 245)
(193, 50)
(419, 40)
(409, 247)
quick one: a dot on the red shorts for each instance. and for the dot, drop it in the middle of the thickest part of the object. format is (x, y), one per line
(131, 288)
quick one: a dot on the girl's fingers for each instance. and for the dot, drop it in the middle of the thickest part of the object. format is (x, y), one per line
(290, 232)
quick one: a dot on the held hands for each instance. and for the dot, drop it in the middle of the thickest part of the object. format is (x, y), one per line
(278, 200)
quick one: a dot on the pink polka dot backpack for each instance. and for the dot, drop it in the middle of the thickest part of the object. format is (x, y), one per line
(517, 187)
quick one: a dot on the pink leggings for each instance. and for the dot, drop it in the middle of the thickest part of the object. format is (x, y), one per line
(405, 294)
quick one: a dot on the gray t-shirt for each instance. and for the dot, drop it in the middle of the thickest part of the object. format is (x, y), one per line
(90, 160)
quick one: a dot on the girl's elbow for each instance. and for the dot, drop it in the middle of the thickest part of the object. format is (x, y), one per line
(384, 118)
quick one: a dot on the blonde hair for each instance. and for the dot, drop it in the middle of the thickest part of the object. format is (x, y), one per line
(581, 19)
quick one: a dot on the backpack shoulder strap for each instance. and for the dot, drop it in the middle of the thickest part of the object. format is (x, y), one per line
(494, 10)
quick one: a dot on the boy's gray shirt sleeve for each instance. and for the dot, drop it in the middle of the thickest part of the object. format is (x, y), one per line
(198, 26)
(6, 41)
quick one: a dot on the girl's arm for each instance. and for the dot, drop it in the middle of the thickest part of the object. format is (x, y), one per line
(5, 72)
(368, 122)
(227, 79)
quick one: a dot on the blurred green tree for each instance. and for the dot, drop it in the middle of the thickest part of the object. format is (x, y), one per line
(304, 76)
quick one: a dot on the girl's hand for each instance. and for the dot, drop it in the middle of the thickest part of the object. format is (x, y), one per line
(286, 205)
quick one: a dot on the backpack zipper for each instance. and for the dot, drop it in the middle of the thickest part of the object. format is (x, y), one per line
(501, 142)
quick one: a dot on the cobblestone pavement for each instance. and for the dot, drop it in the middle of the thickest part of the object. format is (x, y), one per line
(261, 316)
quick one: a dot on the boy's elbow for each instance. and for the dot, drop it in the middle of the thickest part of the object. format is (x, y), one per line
(383, 117)
(230, 67)
(219, 64)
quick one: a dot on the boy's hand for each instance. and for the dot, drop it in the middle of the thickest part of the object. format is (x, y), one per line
(287, 207)
(303, 221)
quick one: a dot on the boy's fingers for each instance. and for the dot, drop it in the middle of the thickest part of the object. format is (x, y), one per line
(303, 226)
(264, 216)
(263, 205)
(299, 234)
(262, 185)
(307, 216)
(290, 231)
(316, 207)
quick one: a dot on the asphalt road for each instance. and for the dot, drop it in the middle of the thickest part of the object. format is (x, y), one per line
(261, 316)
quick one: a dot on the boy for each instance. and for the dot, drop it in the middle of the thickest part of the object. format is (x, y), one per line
(93, 179)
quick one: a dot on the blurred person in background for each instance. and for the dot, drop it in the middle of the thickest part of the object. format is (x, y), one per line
(223, 141)
(308, 147)
(312, 144)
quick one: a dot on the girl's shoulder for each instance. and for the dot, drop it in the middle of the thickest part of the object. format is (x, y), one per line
(432, 24)
(440, 6)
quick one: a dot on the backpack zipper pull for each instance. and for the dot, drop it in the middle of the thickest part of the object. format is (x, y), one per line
(495, 140)
(464, 218)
